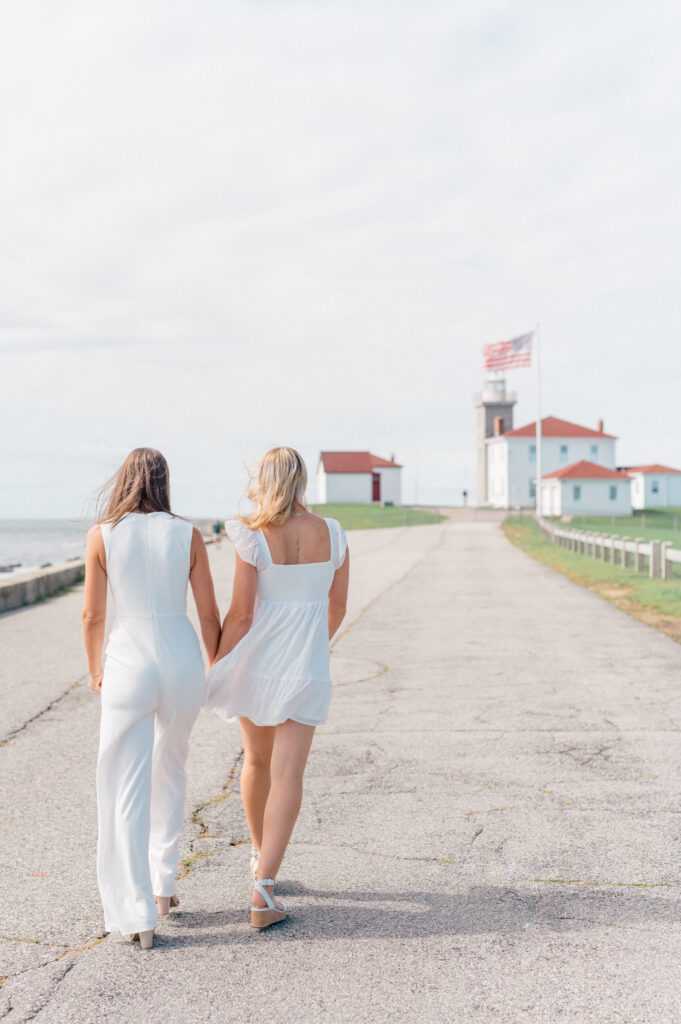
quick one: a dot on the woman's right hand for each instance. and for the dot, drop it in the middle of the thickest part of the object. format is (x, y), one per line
(95, 682)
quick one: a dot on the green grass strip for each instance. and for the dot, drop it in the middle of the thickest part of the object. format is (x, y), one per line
(657, 602)
(369, 517)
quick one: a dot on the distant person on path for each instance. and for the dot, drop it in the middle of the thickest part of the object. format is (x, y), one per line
(217, 532)
(272, 666)
(152, 686)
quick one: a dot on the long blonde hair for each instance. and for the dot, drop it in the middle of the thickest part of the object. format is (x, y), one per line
(275, 489)
(142, 484)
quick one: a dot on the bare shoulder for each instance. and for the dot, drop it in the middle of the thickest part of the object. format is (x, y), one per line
(197, 539)
(94, 536)
(315, 519)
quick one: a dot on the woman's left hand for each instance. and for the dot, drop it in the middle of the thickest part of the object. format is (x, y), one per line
(95, 682)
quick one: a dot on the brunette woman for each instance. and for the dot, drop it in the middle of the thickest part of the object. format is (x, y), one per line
(152, 685)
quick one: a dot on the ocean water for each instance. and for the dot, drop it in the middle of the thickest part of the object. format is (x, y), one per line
(27, 544)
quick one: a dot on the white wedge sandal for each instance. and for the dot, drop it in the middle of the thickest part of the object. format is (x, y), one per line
(263, 917)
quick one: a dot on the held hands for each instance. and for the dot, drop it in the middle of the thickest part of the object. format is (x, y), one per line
(95, 681)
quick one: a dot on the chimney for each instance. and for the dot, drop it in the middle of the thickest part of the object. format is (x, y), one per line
(499, 426)
(600, 426)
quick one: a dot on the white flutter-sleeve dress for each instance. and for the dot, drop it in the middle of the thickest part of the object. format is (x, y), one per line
(280, 668)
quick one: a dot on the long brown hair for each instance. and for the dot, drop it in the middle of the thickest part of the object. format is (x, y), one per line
(276, 488)
(142, 484)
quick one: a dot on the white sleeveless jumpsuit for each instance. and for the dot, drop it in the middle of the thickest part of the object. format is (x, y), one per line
(152, 691)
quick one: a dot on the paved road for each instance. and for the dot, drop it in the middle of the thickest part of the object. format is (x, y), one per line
(490, 831)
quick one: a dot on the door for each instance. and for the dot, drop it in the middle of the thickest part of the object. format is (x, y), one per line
(375, 486)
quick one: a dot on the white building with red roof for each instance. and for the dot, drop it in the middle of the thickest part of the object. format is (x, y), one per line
(585, 488)
(655, 486)
(511, 456)
(358, 478)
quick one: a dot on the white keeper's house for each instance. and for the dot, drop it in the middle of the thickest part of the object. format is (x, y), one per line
(585, 488)
(512, 457)
(358, 478)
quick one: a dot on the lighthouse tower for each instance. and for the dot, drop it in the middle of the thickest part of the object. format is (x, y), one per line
(494, 405)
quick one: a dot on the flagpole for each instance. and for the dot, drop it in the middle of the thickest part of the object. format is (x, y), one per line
(538, 427)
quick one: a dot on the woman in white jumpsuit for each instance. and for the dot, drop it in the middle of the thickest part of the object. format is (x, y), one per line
(152, 687)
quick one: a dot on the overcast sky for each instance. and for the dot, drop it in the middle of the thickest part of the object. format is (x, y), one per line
(227, 225)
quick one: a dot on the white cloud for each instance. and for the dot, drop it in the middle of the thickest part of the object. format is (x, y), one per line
(231, 224)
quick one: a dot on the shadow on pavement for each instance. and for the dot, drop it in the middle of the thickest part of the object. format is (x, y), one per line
(408, 914)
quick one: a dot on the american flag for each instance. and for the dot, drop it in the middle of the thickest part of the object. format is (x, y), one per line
(506, 355)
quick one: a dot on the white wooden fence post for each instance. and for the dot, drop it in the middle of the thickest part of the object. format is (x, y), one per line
(626, 555)
(655, 559)
(639, 564)
(666, 562)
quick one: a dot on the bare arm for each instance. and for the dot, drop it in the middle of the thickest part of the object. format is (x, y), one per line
(204, 595)
(94, 605)
(239, 618)
(338, 595)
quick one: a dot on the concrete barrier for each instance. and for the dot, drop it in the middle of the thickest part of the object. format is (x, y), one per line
(27, 588)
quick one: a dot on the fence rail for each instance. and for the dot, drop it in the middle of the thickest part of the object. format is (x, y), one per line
(655, 557)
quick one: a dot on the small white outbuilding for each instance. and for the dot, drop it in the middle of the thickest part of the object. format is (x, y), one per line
(655, 486)
(587, 489)
(358, 478)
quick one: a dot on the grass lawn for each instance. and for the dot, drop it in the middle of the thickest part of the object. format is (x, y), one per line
(366, 517)
(656, 602)
(656, 525)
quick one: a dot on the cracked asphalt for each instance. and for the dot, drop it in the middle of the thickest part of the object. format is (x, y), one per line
(490, 830)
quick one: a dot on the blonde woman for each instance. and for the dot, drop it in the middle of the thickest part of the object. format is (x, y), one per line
(272, 667)
(152, 688)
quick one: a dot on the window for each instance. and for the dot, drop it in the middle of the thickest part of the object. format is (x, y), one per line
(613, 492)
(594, 453)
(563, 453)
(533, 453)
(656, 487)
(576, 492)
(533, 490)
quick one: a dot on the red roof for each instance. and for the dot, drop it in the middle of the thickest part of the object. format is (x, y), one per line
(654, 468)
(353, 462)
(551, 426)
(584, 470)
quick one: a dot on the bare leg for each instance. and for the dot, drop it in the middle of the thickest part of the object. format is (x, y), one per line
(291, 747)
(255, 775)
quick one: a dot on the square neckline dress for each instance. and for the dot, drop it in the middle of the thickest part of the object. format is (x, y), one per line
(281, 668)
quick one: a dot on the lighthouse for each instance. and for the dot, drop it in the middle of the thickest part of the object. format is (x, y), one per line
(494, 405)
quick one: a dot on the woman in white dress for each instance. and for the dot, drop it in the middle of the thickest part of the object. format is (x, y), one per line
(152, 687)
(272, 666)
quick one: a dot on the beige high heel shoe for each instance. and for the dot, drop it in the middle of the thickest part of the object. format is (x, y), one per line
(146, 939)
(263, 917)
(165, 903)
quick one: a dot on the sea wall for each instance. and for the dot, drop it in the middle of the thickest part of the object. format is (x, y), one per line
(27, 588)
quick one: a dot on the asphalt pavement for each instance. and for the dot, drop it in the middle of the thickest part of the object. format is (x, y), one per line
(489, 833)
